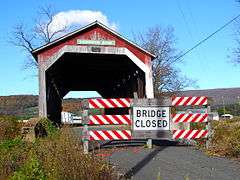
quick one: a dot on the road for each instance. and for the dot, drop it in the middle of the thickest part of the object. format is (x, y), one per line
(166, 160)
(173, 162)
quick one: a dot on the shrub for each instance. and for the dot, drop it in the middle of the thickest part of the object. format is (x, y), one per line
(10, 128)
(45, 127)
(63, 158)
(13, 154)
(226, 138)
(30, 170)
(56, 156)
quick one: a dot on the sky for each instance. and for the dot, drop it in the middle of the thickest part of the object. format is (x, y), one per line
(192, 21)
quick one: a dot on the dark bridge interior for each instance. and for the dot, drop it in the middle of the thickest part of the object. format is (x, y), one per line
(112, 76)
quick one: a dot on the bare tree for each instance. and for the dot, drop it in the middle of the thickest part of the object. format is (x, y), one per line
(41, 33)
(43, 26)
(161, 42)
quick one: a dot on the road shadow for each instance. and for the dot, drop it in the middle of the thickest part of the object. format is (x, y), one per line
(164, 142)
(143, 162)
(116, 143)
(130, 143)
(160, 146)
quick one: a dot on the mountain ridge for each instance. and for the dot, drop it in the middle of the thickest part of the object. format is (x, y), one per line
(27, 105)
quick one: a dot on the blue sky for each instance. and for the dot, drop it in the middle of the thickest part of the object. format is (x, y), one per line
(192, 21)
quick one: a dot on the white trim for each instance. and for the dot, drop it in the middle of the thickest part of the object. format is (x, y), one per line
(135, 60)
(87, 49)
(146, 68)
(42, 104)
(149, 82)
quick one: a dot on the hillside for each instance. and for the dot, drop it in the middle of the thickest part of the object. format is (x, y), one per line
(25, 106)
(220, 96)
(19, 105)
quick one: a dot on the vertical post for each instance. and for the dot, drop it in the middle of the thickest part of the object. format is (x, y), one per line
(149, 143)
(42, 103)
(149, 80)
(85, 137)
(209, 128)
(135, 96)
(224, 110)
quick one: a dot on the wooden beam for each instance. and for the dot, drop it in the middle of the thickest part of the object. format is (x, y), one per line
(42, 102)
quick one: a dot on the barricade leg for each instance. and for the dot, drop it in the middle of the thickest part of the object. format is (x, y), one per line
(209, 128)
(85, 132)
(85, 146)
(149, 143)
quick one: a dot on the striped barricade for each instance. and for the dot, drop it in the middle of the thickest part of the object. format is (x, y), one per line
(190, 117)
(190, 134)
(102, 135)
(109, 119)
(189, 101)
(110, 103)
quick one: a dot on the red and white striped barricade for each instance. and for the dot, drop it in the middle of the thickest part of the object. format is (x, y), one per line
(109, 119)
(190, 134)
(102, 135)
(109, 103)
(126, 120)
(189, 101)
(190, 117)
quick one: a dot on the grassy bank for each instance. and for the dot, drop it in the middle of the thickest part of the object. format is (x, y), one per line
(226, 138)
(57, 156)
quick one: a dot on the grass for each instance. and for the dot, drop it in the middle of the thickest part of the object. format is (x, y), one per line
(57, 156)
(226, 138)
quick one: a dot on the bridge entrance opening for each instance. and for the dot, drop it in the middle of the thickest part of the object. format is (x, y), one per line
(115, 70)
(112, 76)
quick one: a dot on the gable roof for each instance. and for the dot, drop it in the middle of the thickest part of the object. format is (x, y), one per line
(35, 51)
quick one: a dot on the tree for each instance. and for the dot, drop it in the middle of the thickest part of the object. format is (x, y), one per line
(41, 33)
(161, 42)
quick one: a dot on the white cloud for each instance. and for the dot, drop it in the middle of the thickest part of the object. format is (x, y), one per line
(79, 18)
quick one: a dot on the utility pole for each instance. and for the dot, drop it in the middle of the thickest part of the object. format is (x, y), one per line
(224, 110)
(238, 106)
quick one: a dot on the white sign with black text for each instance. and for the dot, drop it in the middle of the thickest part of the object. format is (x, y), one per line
(151, 118)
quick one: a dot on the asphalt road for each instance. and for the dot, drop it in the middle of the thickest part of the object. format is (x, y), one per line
(165, 160)
(173, 162)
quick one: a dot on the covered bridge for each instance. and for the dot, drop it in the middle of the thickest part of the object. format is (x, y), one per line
(93, 58)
